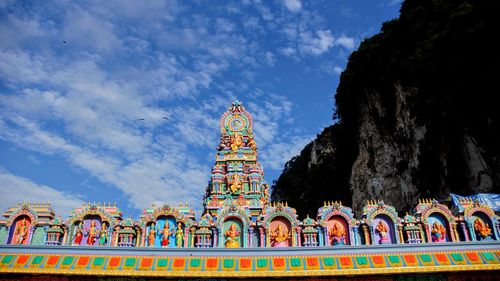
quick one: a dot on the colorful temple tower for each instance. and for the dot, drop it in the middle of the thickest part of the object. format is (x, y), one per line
(237, 193)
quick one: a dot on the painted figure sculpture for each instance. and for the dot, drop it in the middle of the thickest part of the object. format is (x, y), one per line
(235, 183)
(483, 231)
(152, 235)
(279, 237)
(179, 236)
(21, 232)
(382, 230)
(165, 235)
(91, 233)
(337, 234)
(232, 237)
(78, 236)
(103, 237)
(236, 141)
(438, 232)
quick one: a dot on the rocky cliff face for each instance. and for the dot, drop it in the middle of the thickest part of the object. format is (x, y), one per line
(417, 114)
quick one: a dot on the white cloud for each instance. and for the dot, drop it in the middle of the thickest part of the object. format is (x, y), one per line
(318, 43)
(293, 5)
(15, 189)
(288, 51)
(346, 42)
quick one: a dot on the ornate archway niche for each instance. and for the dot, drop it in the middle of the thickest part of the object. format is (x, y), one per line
(383, 222)
(328, 215)
(432, 215)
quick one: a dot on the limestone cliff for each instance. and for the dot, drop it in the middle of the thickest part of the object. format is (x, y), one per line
(417, 114)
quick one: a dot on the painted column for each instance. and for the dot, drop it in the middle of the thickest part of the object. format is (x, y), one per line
(321, 241)
(400, 232)
(250, 236)
(422, 235)
(355, 230)
(32, 231)
(215, 238)
(299, 241)
(327, 240)
(366, 234)
(192, 238)
(262, 237)
(471, 231)
(454, 231)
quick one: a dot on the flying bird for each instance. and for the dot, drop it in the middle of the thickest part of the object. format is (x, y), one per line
(64, 42)
(165, 118)
(141, 119)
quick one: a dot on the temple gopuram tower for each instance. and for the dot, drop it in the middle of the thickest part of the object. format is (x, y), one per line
(237, 177)
(236, 188)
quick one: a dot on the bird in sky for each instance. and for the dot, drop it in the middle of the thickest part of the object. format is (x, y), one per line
(165, 118)
(64, 42)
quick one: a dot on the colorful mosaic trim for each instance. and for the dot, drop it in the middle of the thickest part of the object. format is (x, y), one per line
(334, 265)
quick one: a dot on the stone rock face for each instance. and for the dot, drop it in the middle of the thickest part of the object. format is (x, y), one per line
(383, 166)
(417, 114)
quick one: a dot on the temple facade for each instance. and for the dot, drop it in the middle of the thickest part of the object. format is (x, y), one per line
(238, 214)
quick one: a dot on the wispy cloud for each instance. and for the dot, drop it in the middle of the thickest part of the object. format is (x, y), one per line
(17, 189)
(293, 5)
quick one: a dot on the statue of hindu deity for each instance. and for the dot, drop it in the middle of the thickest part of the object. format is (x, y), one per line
(232, 237)
(152, 235)
(337, 234)
(92, 233)
(78, 236)
(236, 141)
(438, 232)
(251, 143)
(21, 232)
(280, 237)
(165, 234)
(482, 229)
(103, 237)
(235, 183)
(179, 236)
(382, 230)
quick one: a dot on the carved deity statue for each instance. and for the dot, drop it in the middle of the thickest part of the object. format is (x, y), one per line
(251, 143)
(78, 236)
(21, 232)
(92, 233)
(235, 183)
(337, 234)
(236, 141)
(179, 236)
(152, 235)
(482, 229)
(438, 232)
(280, 237)
(382, 230)
(232, 236)
(103, 237)
(165, 234)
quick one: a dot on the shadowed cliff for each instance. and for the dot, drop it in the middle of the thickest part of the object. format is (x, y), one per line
(416, 114)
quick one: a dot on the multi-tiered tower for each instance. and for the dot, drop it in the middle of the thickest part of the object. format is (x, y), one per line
(237, 177)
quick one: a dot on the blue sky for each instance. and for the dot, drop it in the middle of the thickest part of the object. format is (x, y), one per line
(75, 77)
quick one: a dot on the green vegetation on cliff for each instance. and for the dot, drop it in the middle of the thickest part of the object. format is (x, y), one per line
(417, 114)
